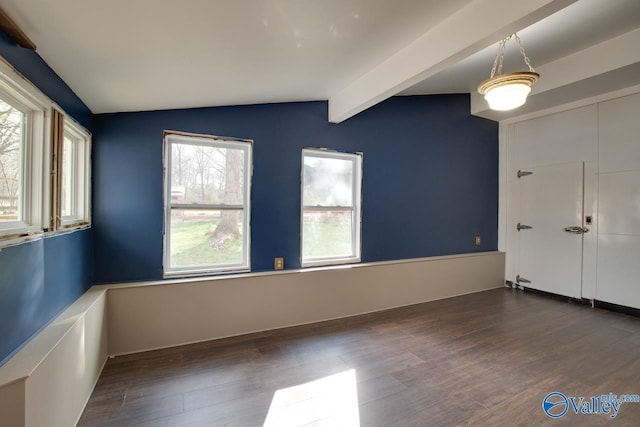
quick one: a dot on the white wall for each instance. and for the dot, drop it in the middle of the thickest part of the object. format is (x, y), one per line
(12, 403)
(59, 388)
(604, 135)
(168, 314)
(48, 382)
(619, 201)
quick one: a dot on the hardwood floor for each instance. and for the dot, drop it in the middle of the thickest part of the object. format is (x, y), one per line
(485, 359)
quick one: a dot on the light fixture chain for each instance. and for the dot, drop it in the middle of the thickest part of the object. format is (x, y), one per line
(524, 55)
(497, 62)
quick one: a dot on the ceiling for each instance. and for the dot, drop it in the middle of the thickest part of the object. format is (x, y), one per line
(123, 55)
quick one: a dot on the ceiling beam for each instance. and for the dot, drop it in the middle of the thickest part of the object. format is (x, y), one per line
(472, 28)
(12, 29)
(589, 72)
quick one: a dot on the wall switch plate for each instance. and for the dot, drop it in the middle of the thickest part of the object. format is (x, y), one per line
(278, 263)
(478, 241)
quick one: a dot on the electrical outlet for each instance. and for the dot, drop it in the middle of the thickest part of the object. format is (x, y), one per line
(278, 263)
(478, 241)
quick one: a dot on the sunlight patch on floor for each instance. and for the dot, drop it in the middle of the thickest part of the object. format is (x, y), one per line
(329, 401)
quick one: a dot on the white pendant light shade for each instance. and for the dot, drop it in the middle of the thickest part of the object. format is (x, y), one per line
(507, 97)
(505, 92)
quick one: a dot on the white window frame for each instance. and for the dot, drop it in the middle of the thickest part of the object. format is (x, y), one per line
(356, 208)
(34, 191)
(246, 145)
(80, 193)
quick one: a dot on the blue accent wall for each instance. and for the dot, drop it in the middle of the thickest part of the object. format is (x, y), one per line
(38, 280)
(38, 72)
(430, 179)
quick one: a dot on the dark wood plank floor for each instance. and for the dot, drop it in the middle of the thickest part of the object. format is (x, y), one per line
(485, 359)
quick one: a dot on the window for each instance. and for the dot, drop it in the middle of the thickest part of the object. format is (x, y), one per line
(22, 139)
(44, 164)
(330, 207)
(12, 146)
(71, 173)
(207, 194)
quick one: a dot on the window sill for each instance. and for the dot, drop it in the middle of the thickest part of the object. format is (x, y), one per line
(329, 262)
(200, 273)
(15, 240)
(8, 241)
(68, 224)
(67, 230)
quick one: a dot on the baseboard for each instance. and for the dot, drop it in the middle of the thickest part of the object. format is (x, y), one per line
(631, 311)
(558, 297)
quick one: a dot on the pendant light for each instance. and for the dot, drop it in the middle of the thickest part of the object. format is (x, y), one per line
(505, 92)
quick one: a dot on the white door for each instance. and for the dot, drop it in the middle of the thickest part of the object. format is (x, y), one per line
(550, 257)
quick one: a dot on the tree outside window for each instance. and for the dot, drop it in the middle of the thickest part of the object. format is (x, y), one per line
(11, 137)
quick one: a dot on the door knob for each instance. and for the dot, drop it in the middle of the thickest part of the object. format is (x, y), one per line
(576, 229)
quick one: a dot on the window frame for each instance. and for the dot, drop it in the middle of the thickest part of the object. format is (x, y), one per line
(81, 175)
(34, 190)
(356, 208)
(246, 145)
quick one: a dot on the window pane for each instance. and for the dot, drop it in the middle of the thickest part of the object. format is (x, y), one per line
(68, 172)
(327, 181)
(206, 175)
(11, 136)
(327, 234)
(200, 238)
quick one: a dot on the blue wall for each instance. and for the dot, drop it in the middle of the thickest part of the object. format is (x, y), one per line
(39, 280)
(430, 179)
(33, 67)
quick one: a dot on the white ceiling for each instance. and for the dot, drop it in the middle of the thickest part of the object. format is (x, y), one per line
(578, 26)
(124, 55)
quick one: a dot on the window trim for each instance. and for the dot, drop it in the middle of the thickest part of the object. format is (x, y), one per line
(34, 192)
(82, 175)
(356, 209)
(206, 140)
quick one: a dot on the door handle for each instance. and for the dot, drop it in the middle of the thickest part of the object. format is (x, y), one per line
(576, 229)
